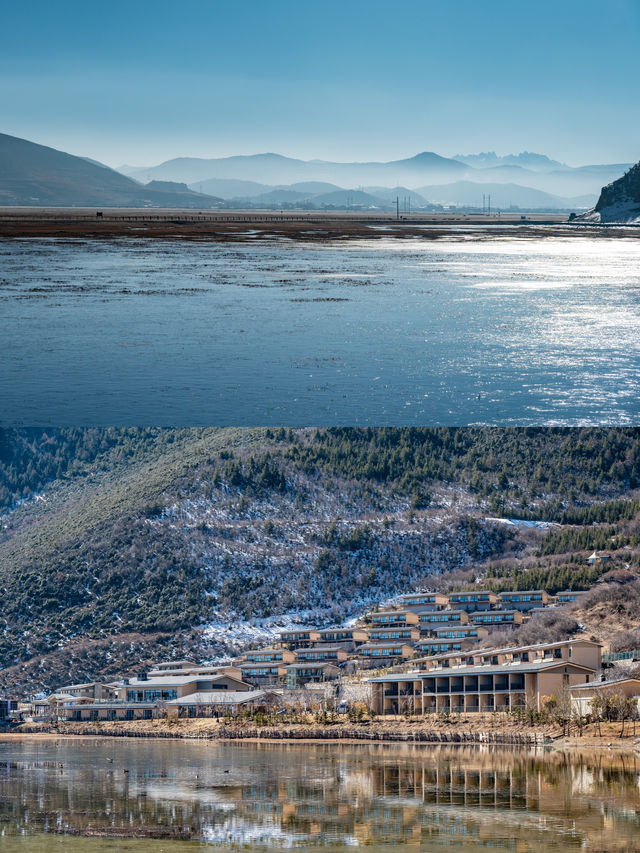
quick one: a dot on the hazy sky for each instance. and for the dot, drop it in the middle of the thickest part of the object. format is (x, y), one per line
(139, 82)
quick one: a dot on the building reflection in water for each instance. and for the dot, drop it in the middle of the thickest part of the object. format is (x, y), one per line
(281, 795)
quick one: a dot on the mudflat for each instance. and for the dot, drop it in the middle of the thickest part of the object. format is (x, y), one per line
(240, 225)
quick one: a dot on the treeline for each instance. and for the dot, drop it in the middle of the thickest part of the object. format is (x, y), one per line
(551, 578)
(539, 472)
(521, 465)
(32, 458)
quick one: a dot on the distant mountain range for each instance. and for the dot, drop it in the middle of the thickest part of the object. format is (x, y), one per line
(32, 174)
(36, 175)
(223, 176)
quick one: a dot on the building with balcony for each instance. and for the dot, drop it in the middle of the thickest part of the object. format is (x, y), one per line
(525, 601)
(310, 672)
(333, 654)
(501, 618)
(349, 638)
(424, 601)
(490, 680)
(384, 654)
(568, 596)
(430, 620)
(472, 601)
(395, 618)
(299, 637)
(407, 635)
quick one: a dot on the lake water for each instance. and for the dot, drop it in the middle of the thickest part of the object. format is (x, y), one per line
(112, 794)
(459, 330)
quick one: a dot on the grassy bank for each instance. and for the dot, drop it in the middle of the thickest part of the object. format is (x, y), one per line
(488, 728)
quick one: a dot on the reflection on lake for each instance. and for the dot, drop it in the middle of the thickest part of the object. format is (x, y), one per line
(181, 795)
(381, 332)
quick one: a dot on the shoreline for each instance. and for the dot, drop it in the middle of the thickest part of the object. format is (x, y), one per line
(250, 226)
(545, 737)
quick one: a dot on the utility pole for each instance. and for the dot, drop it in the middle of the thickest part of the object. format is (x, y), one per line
(489, 205)
(397, 207)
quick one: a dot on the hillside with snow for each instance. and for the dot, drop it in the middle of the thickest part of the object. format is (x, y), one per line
(122, 547)
(619, 201)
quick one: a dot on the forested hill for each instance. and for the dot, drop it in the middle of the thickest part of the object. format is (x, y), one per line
(119, 546)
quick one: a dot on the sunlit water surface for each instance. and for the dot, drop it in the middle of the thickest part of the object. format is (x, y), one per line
(451, 331)
(113, 794)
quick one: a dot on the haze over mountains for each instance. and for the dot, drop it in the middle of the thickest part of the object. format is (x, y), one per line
(456, 178)
(32, 174)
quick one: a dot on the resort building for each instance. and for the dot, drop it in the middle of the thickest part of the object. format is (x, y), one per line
(424, 601)
(579, 650)
(302, 637)
(432, 647)
(524, 601)
(459, 632)
(333, 654)
(298, 674)
(431, 619)
(350, 638)
(472, 601)
(490, 680)
(502, 618)
(384, 654)
(393, 618)
(568, 596)
(151, 689)
(626, 688)
(407, 635)
(258, 673)
(270, 655)
(216, 704)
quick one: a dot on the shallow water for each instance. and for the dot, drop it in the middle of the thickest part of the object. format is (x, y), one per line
(332, 796)
(451, 331)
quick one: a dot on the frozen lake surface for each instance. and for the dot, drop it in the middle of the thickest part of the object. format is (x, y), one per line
(373, 332)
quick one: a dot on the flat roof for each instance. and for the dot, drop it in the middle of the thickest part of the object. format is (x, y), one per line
(389, 613)
(485, 650)
(268, 650)
(447, 612)
(495, 669)
(172, 680)
(320, 649)
(312, 664)
(416, 594)
(599, 685)
(522, 592)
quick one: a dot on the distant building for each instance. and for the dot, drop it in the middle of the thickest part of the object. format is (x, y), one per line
(424, 601)
(524, 601)
(395, 618)
(384, 654)
(472, 601)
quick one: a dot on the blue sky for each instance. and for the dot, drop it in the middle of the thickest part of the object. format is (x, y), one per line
(141, 82)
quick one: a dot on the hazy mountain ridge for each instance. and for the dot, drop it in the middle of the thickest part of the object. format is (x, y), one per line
(32, 174)
(531, 171)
